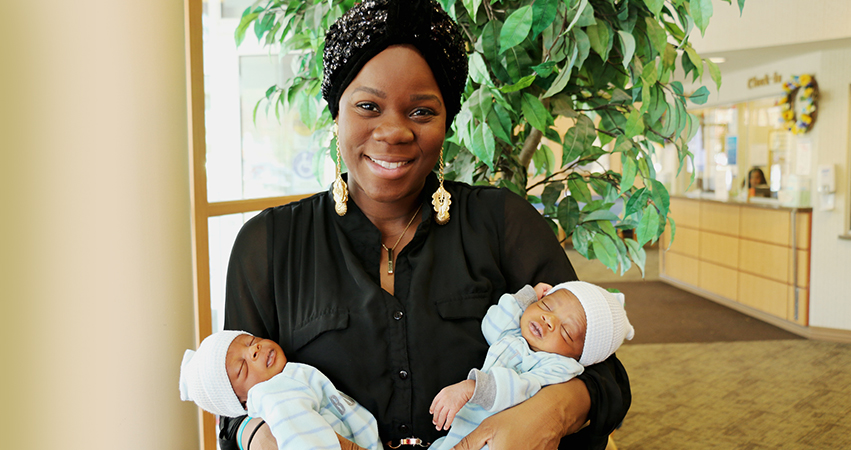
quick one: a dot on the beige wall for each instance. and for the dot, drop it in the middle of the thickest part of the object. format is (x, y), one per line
(780, 22)
(769, 23)
(96, 259)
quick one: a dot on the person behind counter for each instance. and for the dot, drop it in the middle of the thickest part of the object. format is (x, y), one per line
(382, 281)
(756, 183)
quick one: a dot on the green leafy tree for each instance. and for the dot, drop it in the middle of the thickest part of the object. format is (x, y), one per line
(606, 66)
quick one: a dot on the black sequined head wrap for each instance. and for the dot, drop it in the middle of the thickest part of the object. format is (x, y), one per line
(373, 25)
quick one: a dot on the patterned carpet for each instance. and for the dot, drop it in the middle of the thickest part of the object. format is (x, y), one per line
(780, 394)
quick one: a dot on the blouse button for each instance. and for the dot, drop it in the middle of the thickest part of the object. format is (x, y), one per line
(404, 429)
(398, 315)
(403, 374)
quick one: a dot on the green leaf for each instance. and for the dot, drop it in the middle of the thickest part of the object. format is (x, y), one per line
(636, 254)
(523, 83)
(579, 189)
(695, 59)
(544, 12)
(568, 214)
(472, 6)
(478, 69)
(563, 77)
(583, 43)
(601, 39)
(535, 112)
(544, 160)
(634, 124)
(577, 139)
(673, 231)
(741, 7)
(700, 96)
(581, 238)
(606, 251)
(701, 11)
(516, 28)
(500, 123)
(629, 171)
(552, 192)
(600, 214)
(648, 226)
(488, 40)
(714, 72)
(545, 69)
(656, 34)
(655, 6)
(627, 46)
(584, 18)
(483, 144)
(660, 196)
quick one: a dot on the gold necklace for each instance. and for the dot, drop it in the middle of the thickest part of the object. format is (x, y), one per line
(390, 250)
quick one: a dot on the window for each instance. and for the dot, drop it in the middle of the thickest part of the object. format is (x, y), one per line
(242, 162)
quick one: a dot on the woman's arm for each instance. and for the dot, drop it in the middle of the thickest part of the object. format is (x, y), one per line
(555, 411)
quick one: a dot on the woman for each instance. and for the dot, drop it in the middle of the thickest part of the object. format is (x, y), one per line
(373, 283)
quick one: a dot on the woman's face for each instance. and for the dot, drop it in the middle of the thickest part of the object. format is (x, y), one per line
(391, 126)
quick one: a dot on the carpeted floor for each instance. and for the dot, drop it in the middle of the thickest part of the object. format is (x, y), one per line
(780, 394)
(662, 313)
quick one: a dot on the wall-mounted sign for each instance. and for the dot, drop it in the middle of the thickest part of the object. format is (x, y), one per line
(765, 80)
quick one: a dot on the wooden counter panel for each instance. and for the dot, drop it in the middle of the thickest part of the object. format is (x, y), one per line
(719, 280)
(804, 230)
(766, 225)
(722, 218)
(763, 294)
(719, 249)
(685, 212)
(766, 260)
(680, 267)
(686, 241)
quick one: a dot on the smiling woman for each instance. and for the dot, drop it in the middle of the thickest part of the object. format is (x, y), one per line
(316, 281)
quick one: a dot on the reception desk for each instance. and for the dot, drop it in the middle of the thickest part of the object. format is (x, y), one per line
(752, 257)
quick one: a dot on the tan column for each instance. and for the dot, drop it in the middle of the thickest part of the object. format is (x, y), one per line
(96, 268)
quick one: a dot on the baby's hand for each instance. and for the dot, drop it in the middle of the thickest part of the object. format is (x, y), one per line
(449, 401)
(541, 289)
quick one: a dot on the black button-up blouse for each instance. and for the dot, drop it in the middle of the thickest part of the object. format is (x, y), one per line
(308, 278)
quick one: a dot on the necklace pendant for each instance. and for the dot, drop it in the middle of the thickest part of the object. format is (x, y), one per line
(390, 261)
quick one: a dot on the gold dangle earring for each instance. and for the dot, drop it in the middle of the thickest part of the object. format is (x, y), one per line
(441, 198)
(339, 188)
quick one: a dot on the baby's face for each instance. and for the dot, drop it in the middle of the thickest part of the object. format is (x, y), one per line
(555, 324)
(251, 360)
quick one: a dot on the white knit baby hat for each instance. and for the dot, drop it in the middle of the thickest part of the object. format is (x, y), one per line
(204, 379)
(608, 325)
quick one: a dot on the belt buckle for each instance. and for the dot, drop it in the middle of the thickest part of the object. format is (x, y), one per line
(412, 441)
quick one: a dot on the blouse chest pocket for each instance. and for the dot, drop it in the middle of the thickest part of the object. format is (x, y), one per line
(465, 306)
(321, 322)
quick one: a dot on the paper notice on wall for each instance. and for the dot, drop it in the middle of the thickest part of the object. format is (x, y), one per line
(803, 157)
(759, 155)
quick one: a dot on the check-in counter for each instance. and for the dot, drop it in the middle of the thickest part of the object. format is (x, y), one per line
(753, 257)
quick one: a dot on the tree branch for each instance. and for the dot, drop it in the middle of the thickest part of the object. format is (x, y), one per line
(529, 147)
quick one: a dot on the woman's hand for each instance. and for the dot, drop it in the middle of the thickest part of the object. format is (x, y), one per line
(536, 424)
(449, 401)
